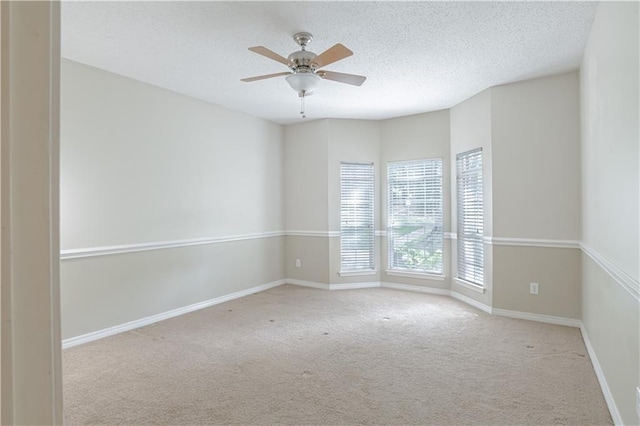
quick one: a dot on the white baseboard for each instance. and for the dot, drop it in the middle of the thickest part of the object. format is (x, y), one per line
(472, 302)
(352, 286)
(608, 397)
(311, 284)
(100, 334)
(569, 322)
(416, 288)
(323, 286)
(370, 284)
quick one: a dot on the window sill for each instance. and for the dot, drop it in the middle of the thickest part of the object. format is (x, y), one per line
(419, 275)
(357, 273)
(475, 287)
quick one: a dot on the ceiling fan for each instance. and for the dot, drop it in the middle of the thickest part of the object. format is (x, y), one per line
(305, 72)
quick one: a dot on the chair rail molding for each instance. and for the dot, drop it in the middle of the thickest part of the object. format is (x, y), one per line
(626, 281)
(159, 245)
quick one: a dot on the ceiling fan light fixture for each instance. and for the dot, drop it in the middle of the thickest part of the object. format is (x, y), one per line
(303, 81)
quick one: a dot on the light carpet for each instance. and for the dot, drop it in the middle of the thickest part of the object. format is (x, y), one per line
(294, 355)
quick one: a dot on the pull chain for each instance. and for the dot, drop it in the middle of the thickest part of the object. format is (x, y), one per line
(302, 105)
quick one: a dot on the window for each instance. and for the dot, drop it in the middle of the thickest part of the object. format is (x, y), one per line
(470, 217)
(415, 231)
(357, 235)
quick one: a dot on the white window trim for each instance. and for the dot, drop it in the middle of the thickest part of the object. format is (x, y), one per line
(471, 286)
(413, 274)
(358, 273)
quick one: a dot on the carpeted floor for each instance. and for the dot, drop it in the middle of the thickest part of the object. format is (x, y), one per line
(294, 355)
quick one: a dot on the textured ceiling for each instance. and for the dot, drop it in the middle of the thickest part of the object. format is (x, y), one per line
(418, 56)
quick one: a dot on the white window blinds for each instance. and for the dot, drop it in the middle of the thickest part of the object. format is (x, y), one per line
(357, 235)
(470, 216)
(415, 231)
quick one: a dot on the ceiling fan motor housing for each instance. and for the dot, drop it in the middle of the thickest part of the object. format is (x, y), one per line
(301, 59)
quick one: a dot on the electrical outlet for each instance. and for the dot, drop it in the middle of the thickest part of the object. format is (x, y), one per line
(298, 263)
(533, 288)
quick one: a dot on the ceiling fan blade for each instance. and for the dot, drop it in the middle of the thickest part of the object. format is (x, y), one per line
(331, 55)
(261, 50)
(355, 80)
(262, 77)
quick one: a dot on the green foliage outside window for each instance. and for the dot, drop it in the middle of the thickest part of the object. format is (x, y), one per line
(417, 248)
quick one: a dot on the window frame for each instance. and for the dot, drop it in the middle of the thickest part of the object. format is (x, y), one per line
(431, 205)
(470, 243)
(351, 267)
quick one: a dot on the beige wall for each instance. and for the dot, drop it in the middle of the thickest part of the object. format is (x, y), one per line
(609, 112)
(313, 252)
(530, 135)
(306, 154)
(142, 164)
(556, 270)
(610, 136)
(535, 128)
(306, 194)
(535, 135)
(470, 129)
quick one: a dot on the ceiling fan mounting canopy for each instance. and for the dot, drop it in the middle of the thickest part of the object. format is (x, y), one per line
(303, 39)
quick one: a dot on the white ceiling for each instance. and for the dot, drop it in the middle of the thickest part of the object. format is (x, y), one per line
(417, 56)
